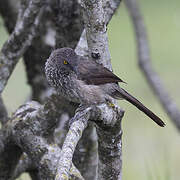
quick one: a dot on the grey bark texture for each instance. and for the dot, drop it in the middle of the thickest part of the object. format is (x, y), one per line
(95, 19)
(36, 139)
(145, 64)
(19, 40)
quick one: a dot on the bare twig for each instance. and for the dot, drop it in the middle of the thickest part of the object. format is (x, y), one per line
(85, 157)
(145, 63)
(19, 40)
(72, 138)
(110, 7)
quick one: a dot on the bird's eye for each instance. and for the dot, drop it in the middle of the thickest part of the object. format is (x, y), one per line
(65, 62)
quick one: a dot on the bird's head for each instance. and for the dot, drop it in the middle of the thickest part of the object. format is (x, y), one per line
(64, 60)
(61, 63)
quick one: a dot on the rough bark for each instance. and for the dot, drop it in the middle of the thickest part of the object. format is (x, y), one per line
(110, 148)
(31, 128)
(95, 20)
(20, 39)
(73, 136)
(27, 131)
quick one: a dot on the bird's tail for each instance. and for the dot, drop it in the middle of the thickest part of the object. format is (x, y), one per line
(125, 95)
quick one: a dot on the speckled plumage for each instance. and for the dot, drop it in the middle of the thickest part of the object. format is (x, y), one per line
(70, 85)
(87, 82)
(62, 81)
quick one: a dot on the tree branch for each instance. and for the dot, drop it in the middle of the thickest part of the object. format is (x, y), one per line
(29, 126)
(110, 7)
(72, 138)
(145, 64)
(31, 118)
(95, 19)
(87, 156)
(19, 40)
(95, 24)
(110, 146)
(37, 121)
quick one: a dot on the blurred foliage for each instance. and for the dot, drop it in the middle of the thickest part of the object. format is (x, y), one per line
(149, 152)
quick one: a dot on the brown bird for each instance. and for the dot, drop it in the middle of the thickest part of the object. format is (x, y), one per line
(84, 81)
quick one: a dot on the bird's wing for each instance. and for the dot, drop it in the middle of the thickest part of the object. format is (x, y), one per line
(94, 73)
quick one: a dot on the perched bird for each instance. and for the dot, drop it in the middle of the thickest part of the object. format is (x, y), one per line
(84, 81)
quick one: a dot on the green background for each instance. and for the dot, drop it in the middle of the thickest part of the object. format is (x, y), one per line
(149, 152)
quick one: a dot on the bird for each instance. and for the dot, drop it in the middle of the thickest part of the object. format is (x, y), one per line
(84, 81)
